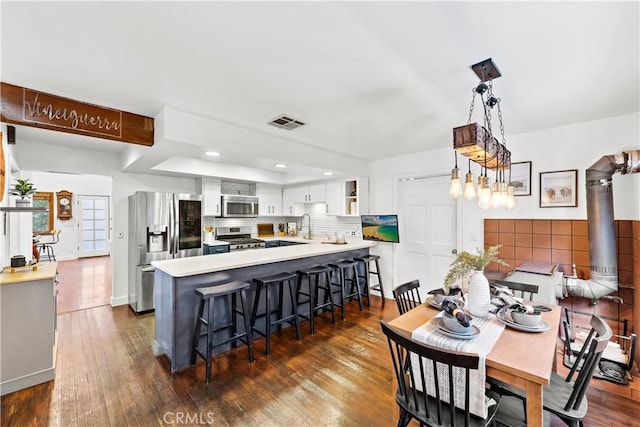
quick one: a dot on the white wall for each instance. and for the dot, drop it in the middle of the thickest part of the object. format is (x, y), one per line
(79, 185)
(571, 147)
(4, 240)
(78, 161)
(15, 228)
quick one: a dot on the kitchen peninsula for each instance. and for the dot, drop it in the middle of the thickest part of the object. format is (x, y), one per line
(176, 279)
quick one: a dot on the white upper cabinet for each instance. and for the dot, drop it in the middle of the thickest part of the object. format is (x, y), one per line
(300, 194)
(289, 205)
(335, 191)
(356, 196)
(287, 201)
(211, 190)
(315, 193)
(270, 200)
(348, 197)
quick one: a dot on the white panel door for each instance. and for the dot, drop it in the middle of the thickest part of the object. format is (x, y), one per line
(93, 226)
(428, 234)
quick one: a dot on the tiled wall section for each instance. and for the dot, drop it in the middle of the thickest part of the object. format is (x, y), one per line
(566, 242)
(320, 222)
(240, 188)
(555, 241)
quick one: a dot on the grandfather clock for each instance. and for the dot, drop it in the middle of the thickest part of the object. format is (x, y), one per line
(64, 205)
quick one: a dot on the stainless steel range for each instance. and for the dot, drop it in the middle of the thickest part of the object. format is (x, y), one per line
(239, 238)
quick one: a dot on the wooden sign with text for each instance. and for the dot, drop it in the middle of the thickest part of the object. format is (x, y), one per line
(29, 107)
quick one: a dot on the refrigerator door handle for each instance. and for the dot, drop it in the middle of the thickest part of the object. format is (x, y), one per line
(172, 230)
(175, 209)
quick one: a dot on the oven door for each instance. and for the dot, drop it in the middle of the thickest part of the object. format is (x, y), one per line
(239, 206)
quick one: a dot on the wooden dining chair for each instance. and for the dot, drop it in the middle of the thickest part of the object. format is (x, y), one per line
(407, 296)
(564, 396)
(522, 290)
(410, 359)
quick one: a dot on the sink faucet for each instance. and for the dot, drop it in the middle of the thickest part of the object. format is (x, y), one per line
(308, 236)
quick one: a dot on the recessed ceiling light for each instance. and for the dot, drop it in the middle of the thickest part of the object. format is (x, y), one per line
(280, 165)
(328, 173)
(212, 153)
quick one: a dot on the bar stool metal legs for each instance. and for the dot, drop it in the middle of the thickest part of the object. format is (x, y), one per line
(367, 277)
(348, 283)
(313, 276)
(267, 284)
(207, 297)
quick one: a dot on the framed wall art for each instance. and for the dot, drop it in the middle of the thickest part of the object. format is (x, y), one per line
(521, 178)
(559, 189)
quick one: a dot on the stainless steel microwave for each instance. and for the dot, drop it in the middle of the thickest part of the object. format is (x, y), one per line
(234, 206)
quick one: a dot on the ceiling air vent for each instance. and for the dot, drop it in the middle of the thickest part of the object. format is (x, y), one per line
(285, 122)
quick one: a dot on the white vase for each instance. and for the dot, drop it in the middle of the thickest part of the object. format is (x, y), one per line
(479, 295)
(23, 203)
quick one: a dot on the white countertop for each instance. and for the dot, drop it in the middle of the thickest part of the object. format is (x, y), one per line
(215, 242)
(183, 267)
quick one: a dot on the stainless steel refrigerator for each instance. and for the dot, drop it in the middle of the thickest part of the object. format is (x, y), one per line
(161, 226)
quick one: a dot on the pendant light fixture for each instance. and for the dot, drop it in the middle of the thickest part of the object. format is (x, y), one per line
(455, 190)
(478, 143)
(469, 189)
(484, 188)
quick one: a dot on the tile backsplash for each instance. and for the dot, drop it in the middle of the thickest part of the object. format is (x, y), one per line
(239, 188)
(320, 221)
(556, 241)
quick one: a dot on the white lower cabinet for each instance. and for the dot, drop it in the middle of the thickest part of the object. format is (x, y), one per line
(28, 327)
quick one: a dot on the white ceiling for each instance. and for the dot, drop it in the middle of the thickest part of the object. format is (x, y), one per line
(371, 79)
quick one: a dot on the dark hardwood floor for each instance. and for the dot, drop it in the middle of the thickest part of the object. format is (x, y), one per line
(107, 374)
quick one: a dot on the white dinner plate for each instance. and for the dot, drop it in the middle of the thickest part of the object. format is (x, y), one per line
(466, 336)
(431, 300)
(504, 315)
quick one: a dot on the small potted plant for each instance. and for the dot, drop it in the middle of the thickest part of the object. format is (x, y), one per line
(479, 295)
(24, 189)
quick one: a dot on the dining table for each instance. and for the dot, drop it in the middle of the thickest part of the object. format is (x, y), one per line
(522, 359)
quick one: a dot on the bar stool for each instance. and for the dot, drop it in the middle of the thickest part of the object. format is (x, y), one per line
(313, 279)
(267, 284)
(340, 269)
(207, 298)
(367, 276)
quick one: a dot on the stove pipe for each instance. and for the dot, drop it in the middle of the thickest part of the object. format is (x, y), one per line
(601, 225)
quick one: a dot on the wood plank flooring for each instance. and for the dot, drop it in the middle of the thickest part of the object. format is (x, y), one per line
(84, 283)
(107, 375)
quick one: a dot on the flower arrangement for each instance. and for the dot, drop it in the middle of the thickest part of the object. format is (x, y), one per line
(466, 262)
